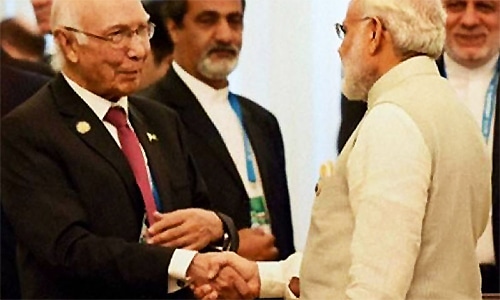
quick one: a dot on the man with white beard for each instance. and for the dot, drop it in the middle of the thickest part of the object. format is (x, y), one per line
(237, 144)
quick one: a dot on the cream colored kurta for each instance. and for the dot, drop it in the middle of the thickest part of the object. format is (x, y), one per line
(409, 197)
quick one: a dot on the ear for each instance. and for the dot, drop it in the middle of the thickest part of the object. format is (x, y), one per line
(377, 37)
(68, 45)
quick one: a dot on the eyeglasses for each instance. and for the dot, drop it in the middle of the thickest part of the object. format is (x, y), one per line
(341, 30)
(122, 37)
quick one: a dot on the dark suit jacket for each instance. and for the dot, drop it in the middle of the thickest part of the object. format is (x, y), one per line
(16, 86)
(225, 186)
(353, 111)
(38, 67)
(74, 203)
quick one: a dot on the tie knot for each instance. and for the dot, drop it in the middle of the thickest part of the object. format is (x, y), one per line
(116, 116)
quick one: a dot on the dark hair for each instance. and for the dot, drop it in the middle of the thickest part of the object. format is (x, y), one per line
(176, 9)
(22, 38)
(161, 43)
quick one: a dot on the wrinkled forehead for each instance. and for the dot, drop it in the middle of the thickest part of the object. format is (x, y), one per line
(110, 13)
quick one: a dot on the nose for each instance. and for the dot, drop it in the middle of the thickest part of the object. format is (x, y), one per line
(224, 32)
(138, 47)
(470, 17)
(340, 50)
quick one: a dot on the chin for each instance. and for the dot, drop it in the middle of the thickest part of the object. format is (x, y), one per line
(353, 92)
(217, 70)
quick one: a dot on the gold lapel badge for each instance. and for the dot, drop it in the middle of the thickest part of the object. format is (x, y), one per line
(82, 127)
(325, 171)
(152, 137)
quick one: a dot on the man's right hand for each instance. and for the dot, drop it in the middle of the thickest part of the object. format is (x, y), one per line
(237, 277)
(257, 245)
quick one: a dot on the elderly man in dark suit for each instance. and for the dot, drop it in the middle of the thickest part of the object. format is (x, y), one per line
(472, 64)
(236, 143)
(100, 188)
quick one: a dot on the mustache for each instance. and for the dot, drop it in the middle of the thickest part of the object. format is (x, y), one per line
(228, 48)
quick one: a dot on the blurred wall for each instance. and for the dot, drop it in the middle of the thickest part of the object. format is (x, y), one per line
(289, 64)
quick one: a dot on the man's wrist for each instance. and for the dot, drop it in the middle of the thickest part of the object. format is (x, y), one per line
(230, 238)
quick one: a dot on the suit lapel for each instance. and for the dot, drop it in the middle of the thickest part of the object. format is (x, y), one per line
(495, 179)
(197, 121)
(441, 67)
(83, 122)
(158, 165)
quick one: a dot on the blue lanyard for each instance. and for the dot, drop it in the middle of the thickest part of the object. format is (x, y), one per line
(489, 104)
(235, 105)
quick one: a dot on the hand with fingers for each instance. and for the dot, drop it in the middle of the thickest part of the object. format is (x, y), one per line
(237, 278)
(191, 228)
(257, 245)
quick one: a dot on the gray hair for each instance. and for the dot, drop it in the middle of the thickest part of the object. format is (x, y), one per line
(416, 26)
(64, 13)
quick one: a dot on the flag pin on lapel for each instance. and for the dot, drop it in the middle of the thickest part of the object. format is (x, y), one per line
(151, 137)
(82, 127)
(326, 170)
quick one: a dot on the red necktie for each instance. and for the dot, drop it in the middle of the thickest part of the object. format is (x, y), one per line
(132, 150)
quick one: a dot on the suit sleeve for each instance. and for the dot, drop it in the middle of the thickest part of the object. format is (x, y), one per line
(51, 220)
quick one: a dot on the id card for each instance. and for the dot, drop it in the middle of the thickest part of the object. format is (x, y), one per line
(258, 214)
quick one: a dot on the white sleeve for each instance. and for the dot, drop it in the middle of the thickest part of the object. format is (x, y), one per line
(275, 276)
(388, 177)
(181, 259)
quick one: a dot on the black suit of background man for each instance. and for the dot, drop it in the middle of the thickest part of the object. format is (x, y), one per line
(19, 80)
(225, 186)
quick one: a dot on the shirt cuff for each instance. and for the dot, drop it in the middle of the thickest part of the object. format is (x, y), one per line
(181, 259)
(275, 276)
(272, 281)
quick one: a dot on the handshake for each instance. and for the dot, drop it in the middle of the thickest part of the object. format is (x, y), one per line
(225, 275)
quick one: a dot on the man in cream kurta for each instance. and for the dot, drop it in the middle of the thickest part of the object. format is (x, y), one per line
(408, 199)
(401, 213)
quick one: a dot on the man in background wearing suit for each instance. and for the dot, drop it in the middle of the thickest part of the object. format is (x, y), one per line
(236, 143)
(471, 62)
(16, 85)
(75, 196)
(162, 47)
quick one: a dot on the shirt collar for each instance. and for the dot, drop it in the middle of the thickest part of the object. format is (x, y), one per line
(99, 105)
(411, 67)
(454, 69)
(202, 91)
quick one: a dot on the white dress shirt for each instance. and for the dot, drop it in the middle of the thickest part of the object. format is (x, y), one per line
(471, 86)
(217, 107)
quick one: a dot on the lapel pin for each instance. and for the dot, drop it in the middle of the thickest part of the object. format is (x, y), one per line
(326, 170)
(151, 137)
(82, 127)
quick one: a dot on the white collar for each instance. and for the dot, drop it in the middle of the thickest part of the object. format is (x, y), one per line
(202, 91)
(455, 69)
(99, 105)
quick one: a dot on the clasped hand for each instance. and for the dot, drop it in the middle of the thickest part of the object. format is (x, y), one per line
(191, 228)
(223, 276)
